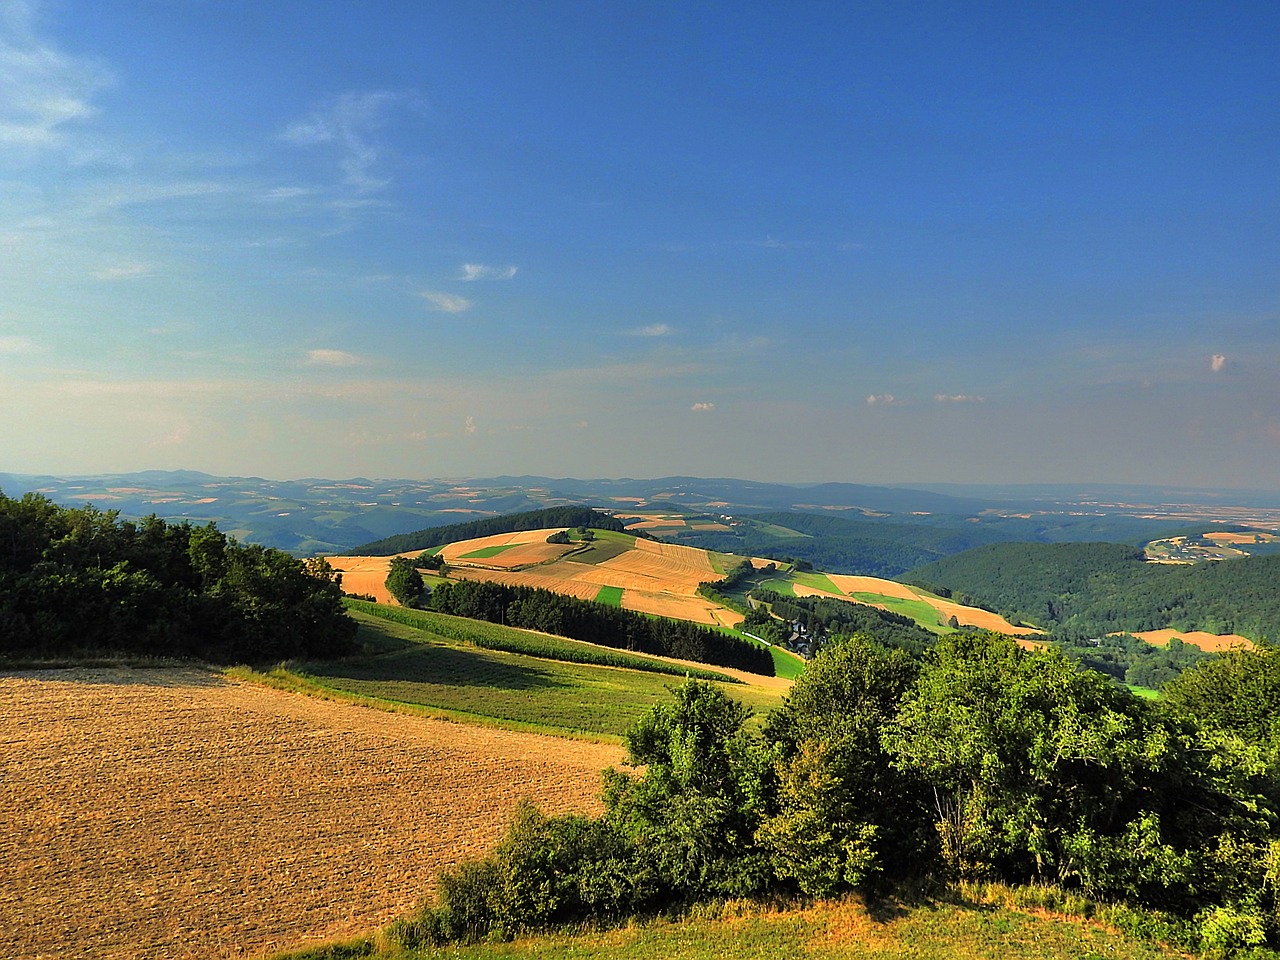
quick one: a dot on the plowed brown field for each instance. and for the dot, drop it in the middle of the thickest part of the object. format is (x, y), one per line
(174, 813)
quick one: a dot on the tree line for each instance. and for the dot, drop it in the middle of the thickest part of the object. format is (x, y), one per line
(537, 609)
(82, 582)
(488, 527)
(1086, 590)
(885, 773)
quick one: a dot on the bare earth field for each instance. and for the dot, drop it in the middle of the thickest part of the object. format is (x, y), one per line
(175, 813)
(1208, 642)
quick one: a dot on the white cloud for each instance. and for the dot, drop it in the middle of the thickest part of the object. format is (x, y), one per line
(41, 89)
(653, 330)
(703, 407)
(478, 271)
(470, 426)
(332, 358)
(958, 398)
(1217, 363)
(15, 346)
(286, 193)
(124, 271)
(882, 400)
(351, 123)
(447, 302)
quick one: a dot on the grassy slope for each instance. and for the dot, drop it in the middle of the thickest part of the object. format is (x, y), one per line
(962, 929)
(407, 668)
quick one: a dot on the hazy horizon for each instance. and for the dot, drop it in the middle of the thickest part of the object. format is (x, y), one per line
(874, 243)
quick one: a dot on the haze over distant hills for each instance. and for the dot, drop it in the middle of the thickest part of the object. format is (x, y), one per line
(313, 515)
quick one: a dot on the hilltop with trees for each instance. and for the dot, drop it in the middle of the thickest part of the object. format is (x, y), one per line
(84, 583)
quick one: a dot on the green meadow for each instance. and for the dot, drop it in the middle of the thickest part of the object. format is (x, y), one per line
(993, 923)
(436, 667)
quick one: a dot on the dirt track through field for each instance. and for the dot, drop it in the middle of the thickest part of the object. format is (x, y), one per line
(174, 813)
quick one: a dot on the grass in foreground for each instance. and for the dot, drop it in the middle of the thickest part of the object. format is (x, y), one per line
(408, 670)
(989, 926)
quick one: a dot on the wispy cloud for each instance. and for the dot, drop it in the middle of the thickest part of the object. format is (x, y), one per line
(958, 398)
(332, 358)
(124, 271)
(653, 330)
(470, 426)
(447, 302)
(883, 400)
(16, 346)
(42, 89)
(351, 123)
(703, 407)
(478, 271)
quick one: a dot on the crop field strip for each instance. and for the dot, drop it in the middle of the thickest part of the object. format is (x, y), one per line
(175, 813)
(441, 627)
(515, 690)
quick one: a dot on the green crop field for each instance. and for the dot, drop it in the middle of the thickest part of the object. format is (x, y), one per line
(917, 610)
(407, 667)
(816, 581)
(441, 627)
(484, 553)
(610, 596)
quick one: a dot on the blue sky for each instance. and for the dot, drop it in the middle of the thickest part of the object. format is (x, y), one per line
(871, 242)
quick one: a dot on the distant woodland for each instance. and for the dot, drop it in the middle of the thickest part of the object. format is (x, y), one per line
(888, 548)
(81, 582)
(488, 527)
(1083, 590)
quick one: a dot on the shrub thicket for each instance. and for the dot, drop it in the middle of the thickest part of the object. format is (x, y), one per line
(981, 762)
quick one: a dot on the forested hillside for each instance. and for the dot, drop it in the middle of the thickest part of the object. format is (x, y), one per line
(888, 548)
(76, 582)
(1080, 590)
(488, 527)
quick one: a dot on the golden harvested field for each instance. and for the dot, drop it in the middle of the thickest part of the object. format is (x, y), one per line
(175, 813)
(969, 616)
(526, 547)
(544, 578)
(367, 575)
(695, 609)
(1208, 642)
(1248, 538)
(888, 588)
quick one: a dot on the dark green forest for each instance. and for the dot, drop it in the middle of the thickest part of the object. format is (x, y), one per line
(82, 583)
(821, 615)
(537, 609)
(1082, 590)
(893, 776)
(488, 527)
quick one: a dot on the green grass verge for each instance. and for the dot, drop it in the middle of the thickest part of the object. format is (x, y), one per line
(610, 596)
(491, 636)
(969, 926)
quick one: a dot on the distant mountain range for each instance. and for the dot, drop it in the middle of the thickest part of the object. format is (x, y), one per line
(310, 516)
